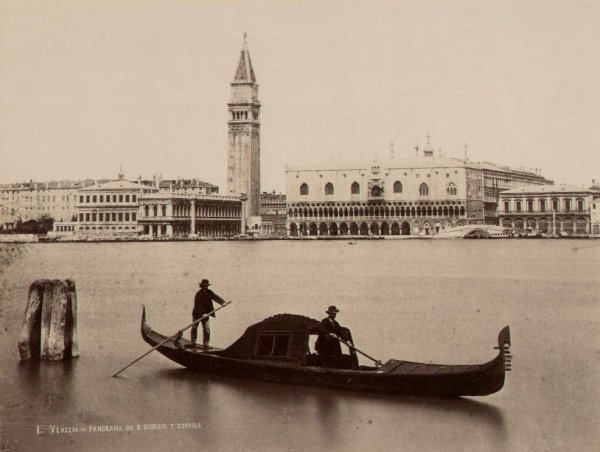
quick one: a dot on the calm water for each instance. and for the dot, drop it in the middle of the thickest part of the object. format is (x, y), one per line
(440, 301)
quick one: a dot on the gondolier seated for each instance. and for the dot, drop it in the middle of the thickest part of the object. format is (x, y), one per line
(328, 342)
(203, 304)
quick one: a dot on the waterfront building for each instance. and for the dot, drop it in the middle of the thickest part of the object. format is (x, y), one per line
(187, 186)
(20, 202)
(595, 214)
(273, 214)
(177, 214)
(551, 209)
(399, 196)
(109, 208)
(243, 158)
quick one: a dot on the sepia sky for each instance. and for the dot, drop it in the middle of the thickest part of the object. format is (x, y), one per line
(87, 86)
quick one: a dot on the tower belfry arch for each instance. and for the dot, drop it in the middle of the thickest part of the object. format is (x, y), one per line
(243, 158)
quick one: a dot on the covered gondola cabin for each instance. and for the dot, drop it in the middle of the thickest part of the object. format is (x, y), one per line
(285, 339)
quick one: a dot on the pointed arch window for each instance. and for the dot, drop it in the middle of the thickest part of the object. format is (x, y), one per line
(355, 188)
(424, 189)
(451, 189)
(397, 187)
(329, 188)
(304, 189)
(376, 191)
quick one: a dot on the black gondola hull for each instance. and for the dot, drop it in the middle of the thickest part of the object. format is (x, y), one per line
(400, 377)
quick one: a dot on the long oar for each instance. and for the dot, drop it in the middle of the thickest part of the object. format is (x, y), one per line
(352, 347)
(175, 335)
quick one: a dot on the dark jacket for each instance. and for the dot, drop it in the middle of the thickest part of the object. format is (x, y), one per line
(327, 345)
(203, 302)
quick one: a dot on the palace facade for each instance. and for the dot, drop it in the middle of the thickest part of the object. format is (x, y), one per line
(551, 209)
(399, 196)
(172, 214)
(109, 208)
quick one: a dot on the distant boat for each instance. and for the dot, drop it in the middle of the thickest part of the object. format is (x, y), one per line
(276, 349)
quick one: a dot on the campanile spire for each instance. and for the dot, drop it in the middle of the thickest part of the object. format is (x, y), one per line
(245, 71)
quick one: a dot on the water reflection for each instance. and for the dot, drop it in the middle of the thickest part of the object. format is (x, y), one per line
(48, 384)
(40, 390)
(332, 409)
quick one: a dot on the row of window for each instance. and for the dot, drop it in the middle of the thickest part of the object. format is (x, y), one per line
(107, 216)
(200, 211)
(376, 211)
(40, 208)
(37, 198)
(236, 115)
(542, 205)
(65, 228)
(106, 198)
(568, 225)
(376, 191)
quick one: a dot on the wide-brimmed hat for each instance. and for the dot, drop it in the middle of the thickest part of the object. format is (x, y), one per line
(332, 309)
(204, 283)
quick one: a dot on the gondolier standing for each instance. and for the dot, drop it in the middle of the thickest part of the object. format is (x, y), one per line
(203, 304)
(327, 345)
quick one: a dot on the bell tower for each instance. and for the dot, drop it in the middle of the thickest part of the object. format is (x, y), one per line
(243, 158)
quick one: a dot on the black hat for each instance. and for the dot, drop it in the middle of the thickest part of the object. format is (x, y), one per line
(332, 309)
(204, 283)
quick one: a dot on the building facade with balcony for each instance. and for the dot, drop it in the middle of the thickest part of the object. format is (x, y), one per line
(497, 179)
(273, 214)
(109, 208)
(400, 196)
(551, 209)
(173, 214)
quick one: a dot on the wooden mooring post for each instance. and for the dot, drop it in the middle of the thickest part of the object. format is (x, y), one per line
(49, 329)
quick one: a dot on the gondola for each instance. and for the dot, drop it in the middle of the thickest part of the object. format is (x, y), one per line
(277, 349)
